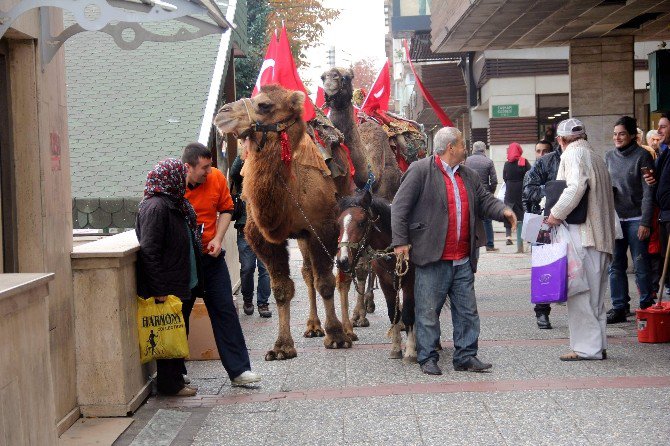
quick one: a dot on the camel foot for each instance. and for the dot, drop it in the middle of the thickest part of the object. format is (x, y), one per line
(361, 322)
(280, 353)
(395, 354)
(314, 333)
(337, 340)
(353, 336)
(369, 302)
(409, 359)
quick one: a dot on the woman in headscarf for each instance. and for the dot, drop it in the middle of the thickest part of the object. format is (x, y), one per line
(168, 263)
(513, 172)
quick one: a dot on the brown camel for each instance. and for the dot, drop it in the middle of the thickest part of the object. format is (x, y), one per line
(371, 139)
(289, 194)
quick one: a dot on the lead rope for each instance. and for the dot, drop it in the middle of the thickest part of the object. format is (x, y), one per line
(401, 268)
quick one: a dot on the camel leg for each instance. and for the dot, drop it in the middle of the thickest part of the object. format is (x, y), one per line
(322, 264)
(359, 319)
(313, 323)
(275, 258)
(343, 282)
(369, 295)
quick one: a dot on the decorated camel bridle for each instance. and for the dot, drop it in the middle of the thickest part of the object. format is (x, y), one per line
(278, 127)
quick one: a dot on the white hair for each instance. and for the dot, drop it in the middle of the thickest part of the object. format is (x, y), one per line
(651, 133)
(444, 137)
(479, 146)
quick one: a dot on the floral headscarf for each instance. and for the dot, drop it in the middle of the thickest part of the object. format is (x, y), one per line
(168, 178)
(514, 152)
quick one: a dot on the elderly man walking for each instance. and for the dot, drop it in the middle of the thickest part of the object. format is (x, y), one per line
(436, 212)
(484, 166)
(585, 173)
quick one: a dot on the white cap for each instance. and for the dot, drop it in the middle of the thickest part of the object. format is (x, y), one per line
(571, 127)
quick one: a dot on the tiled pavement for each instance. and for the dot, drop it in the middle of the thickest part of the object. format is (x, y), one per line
(360, 397)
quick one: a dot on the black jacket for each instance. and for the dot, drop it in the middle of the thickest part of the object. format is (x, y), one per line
(513, 174)
(236, 186)
(164, 259)
(663, 187)
(545, 169)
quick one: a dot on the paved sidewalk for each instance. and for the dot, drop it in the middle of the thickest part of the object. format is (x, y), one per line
(360, 397)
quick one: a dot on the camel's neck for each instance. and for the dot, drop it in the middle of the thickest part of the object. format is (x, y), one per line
(344, 120)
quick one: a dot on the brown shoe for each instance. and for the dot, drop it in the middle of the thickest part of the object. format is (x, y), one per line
(186, 391)
(264, 310)
(572, 356)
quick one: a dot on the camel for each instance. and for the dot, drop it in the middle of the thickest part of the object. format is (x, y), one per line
(370, 139)
(289, 194)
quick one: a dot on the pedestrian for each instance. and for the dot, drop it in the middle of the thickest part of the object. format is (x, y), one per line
(545, 169)
(484, 166)
(633, 201)
(207, 190)
(653, 141)
(514, 171)
(441, 200)
(660, 177)
(248, 259)
(585, 173)
(168, 261)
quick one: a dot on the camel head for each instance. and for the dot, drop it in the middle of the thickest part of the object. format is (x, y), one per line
(274, 105)
(337, 87)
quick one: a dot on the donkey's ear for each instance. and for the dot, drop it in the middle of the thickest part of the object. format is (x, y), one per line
(296, 101)
(366, 200)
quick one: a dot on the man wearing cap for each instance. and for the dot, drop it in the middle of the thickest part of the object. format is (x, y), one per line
(486, 170)
(585, 172)
(437, 212)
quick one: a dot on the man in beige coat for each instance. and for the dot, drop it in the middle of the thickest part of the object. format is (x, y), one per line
(585, 172)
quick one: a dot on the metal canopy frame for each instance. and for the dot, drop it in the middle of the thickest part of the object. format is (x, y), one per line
(113, 17)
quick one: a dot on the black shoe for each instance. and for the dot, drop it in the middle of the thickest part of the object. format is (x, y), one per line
(509, 242)
(473, 365)
(430, 367)
(248, 308)
(264, 311)
(604, 354)
(543, 322)
(491, 249)
(616, 316)
(647, 304)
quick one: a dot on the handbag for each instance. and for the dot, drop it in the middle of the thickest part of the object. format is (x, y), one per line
(553, 190)
(549, 273)
(161, 329)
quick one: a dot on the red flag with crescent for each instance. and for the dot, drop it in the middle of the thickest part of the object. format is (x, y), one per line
(279, 68)
(380, 92)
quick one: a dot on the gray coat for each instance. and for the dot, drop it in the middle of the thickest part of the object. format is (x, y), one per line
(419, 213)
(483, 165)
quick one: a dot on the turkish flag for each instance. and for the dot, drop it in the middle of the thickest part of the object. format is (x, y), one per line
(380, 92)
(321, 100)
(279, 68)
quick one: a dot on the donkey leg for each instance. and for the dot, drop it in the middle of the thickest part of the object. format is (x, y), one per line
(408, 316)
(359, 317)
(313, 323)
(275, 258)
(369, 294)
(343, 283)
(394, 311)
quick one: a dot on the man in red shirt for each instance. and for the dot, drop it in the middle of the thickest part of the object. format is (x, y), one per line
(441, 200)
(207, 191)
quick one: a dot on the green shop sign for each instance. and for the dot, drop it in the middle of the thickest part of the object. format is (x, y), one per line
(506, 111)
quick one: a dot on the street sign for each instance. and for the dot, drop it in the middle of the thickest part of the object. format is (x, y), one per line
(505, 111)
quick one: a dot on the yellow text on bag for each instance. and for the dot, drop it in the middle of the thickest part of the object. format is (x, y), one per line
(161, 327)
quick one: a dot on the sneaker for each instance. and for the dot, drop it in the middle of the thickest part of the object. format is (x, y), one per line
(245, 378)
(616, 316)
(248, 308)
(186, 391)
(264, 310)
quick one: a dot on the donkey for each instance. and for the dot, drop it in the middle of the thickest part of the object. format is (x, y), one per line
(365, 228)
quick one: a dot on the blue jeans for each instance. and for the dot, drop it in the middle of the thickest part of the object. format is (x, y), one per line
(223, 315)
(488, 227)
(434, 282)
(617, 270)
(248, 262)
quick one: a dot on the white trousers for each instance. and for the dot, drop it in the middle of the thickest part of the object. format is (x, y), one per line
(587, 319)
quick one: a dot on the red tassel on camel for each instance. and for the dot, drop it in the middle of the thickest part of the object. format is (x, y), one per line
(285, 149)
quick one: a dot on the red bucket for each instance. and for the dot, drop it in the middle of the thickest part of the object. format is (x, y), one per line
(653, 324)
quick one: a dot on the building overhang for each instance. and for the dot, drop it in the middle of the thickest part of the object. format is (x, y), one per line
(121, 19)
(477, 25)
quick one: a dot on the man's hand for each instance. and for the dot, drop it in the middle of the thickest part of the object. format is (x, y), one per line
(552, 221)
(649, 178)
(643, 232)
(402, 250)
(160, 299)
(214, 248)
(511, 218)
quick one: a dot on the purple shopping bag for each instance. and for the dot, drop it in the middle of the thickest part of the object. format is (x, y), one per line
(549, 273)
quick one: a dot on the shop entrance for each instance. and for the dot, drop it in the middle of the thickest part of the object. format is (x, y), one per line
(551, 109)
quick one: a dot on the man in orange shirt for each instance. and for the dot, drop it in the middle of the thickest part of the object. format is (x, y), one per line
(207, 191)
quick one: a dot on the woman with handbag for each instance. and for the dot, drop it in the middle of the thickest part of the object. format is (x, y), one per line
(513, 173)
(168, 263)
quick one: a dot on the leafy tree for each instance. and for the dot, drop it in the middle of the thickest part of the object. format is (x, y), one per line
(304, 20)
(247, 68)
(365, 73)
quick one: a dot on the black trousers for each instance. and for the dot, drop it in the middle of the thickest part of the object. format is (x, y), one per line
(169, 372)
(542, 309)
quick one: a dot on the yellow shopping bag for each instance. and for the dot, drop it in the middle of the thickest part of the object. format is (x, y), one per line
(161, 329)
